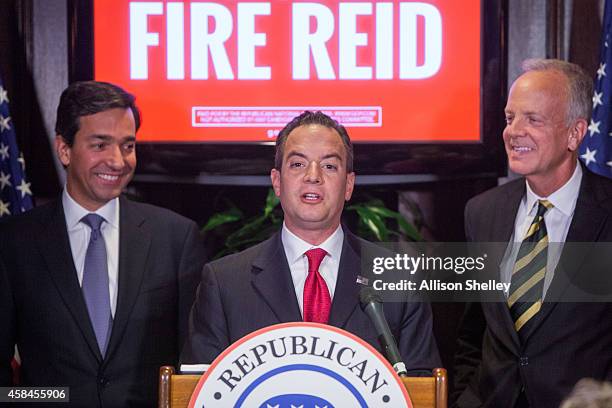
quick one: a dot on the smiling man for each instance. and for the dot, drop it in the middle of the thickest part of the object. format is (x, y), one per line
(307, 271)
(96, 289)
(529, 349)
(100, 158)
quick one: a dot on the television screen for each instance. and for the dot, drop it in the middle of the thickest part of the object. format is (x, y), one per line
(239, 70)
(419, 85)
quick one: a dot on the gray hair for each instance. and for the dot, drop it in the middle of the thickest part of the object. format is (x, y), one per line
(579, 85)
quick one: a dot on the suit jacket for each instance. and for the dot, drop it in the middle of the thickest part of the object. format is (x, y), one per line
(569, 341)
(244, 292)
(43, 311)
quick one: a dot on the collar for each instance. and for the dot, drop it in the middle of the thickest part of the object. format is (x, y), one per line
(74, 212)
(295, 247)
(564, 199)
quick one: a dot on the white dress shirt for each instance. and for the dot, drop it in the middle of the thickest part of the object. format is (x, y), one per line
(79, 234)
(295, 249)
(557, 219)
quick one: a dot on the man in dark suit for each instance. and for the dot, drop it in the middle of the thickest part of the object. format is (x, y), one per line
(96, 289)
(529, 349)
(308, 270)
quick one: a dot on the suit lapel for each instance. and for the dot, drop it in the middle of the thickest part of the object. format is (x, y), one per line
(346, 294)
(134, 243)
(500, 321)
(586, 226)
(272, 280)
(54, 245)
(505, 208)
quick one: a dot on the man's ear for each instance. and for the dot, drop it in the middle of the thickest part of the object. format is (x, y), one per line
(350, 185)
(63, 150)
(275, 177)
(576, 133)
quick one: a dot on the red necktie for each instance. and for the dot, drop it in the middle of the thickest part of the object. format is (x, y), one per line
(317, 301)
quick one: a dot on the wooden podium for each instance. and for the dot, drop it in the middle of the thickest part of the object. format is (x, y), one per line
(425, 392)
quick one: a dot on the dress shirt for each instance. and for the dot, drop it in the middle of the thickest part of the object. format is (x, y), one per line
(79, 234)
(557, 219)
(295, 249)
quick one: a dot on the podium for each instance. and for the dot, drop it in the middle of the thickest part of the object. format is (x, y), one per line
(425, 392)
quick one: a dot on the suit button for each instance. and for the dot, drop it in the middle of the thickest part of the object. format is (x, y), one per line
(524, 361)
(103, 381)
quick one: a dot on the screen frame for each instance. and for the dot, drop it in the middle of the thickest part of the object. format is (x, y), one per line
(375, 163)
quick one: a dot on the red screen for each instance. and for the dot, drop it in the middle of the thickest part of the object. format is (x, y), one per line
(389, 71)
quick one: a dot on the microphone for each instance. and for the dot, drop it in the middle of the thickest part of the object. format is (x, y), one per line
(371, 304)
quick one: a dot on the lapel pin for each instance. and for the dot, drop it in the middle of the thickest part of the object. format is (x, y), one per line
(361, 280)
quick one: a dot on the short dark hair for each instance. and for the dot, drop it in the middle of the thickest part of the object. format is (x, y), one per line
(313, 118)
(88, 98)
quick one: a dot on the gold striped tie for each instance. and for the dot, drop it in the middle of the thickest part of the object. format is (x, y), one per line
(527, 283)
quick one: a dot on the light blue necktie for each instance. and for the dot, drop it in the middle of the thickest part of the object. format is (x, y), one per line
(95, 282)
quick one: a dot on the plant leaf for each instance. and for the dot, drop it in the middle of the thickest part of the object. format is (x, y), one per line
(271, 202)
(382, 211)
(247, 230)
(374, 223)
(238, 243)
(231, 215)
(409, 229)
(377, 207)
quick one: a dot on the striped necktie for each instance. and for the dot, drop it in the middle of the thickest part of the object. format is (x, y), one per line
(527, 283)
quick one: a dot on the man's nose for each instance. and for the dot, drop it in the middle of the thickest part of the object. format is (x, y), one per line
(313, 173)
(114, 158)
(516, 127)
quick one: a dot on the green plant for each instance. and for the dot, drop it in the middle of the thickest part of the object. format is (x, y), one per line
(240, 231)
(234, 231)
(376, 222)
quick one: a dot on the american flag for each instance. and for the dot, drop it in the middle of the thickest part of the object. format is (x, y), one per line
(15, 191)
(596, 148)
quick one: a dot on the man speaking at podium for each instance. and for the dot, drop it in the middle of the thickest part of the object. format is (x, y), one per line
(308, 270)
